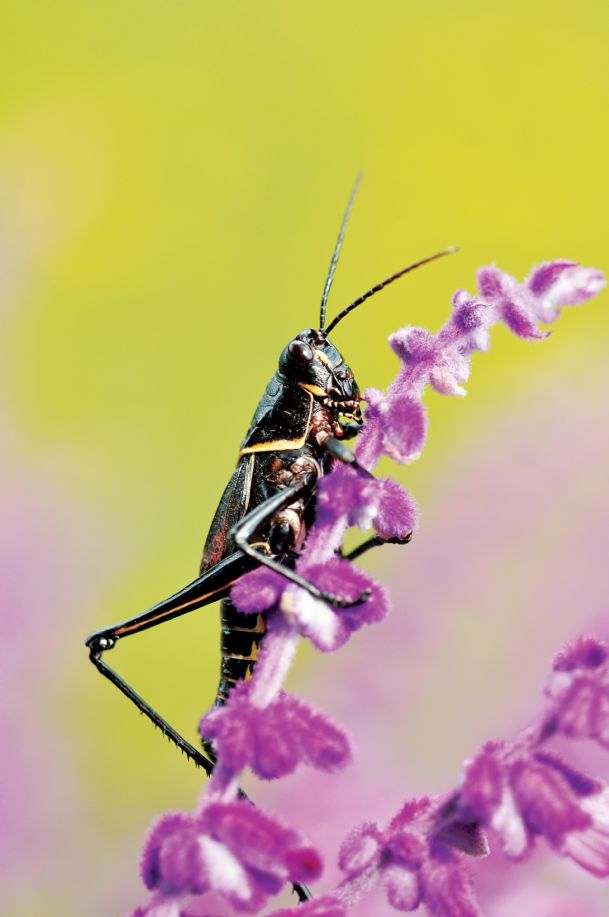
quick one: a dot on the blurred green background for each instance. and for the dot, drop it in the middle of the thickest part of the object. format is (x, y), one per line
(172, 177)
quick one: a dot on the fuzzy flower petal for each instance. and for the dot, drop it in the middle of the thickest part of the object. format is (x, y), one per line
(230, 848)
(370, 442)
(366, 501)
(484, 785)
(519, 317)
(584, 653)
(346, 493)
(522, 794)
(545, 276)
(327, 627)
(413, 867)
(487, 796)
(494, 284)
(360, 850)
(258, 591)
(584, 711)
(397, 512)
(579, 687)
(515, 305)
(274, 739)
(549, 287)
(402, 887)
(589, 847)
(562, 283)
(545, 799)
(396, 427)
(446, 379)
(414, 346)
(447, 888)
(470, 318)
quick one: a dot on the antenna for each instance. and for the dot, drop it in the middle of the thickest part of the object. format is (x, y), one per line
(384, 283)
(336, 254)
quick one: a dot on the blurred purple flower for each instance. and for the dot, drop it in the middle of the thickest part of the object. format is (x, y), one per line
(579, 688)
(231, 848)
(328, 628)
(561, 283)
(522, 794)
(396, 428)
(274, 739)
(413, 866)
(259, 591)
(516, 790)
(345, 497)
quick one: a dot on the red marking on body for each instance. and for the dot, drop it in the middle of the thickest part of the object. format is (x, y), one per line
(216, 553)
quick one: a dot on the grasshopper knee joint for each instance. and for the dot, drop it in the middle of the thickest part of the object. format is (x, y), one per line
(98, 644)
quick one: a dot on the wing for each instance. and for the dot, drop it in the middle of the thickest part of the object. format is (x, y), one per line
(232, 507)
(281, 421)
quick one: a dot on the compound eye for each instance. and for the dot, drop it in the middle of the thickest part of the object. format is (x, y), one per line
(300, 351)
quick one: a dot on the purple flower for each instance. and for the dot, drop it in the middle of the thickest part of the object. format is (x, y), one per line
(436, 360)
(579, 688)
(523, 794)
(258, 591)
(395, 428)
(230, 848)
(584, 653)
(397, 512)
(328, 628)
(549, 287)
(413, 867)
(345, 497)
(513, 304)
(395, 422)
(447, 887)
(471, 321)
(274, 739)
(561, 283)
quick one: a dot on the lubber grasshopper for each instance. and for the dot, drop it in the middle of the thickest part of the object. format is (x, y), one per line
(310, 406)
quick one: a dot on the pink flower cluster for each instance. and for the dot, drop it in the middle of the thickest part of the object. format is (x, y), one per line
(514, 791)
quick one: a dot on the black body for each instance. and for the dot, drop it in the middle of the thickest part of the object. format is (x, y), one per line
(284, 441)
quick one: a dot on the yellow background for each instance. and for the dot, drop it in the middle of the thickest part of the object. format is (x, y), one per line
(172, 177)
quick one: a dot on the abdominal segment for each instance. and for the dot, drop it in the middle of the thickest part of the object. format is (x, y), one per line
(240, 641)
